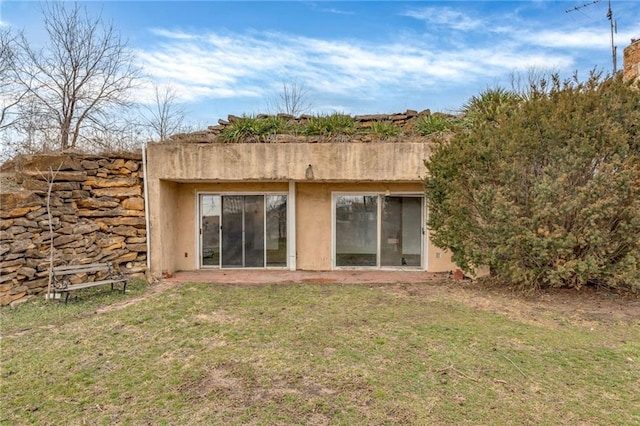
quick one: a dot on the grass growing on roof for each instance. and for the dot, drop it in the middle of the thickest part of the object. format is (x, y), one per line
(329, 125)
(433, 123)
(384, 128)
(255, 129)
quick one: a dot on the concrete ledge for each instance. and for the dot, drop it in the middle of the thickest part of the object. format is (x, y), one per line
(344, 162)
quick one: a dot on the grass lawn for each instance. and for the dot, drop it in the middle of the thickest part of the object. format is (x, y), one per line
(313, 354)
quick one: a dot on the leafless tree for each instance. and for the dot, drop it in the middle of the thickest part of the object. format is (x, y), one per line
(31, 132)
(164, 116)
(523, 83)
(292, 99)
(120, 133)
(83, 72)
(11, 91)
(50, 179)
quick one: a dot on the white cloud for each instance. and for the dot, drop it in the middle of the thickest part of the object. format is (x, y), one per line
(177, 35)
(336, 11)
(577, 39)
(444, 16)
(218, 66)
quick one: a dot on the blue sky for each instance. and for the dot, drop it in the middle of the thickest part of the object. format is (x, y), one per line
(354, 57)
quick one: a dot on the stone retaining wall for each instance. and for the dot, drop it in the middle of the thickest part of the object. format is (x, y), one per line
(631, 67)
(97, 215)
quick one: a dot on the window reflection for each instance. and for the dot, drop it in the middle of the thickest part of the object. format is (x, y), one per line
(356, 230)
(243, 230)
(358, 239)
(276, 235)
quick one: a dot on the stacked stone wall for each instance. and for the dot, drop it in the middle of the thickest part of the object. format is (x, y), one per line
(97, 215)
(631, 70)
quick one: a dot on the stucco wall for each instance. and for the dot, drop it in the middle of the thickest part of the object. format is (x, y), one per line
(178, 172)
(166, 218)
(439, 260)
(393, 162)
(313, 242)
(313, 220)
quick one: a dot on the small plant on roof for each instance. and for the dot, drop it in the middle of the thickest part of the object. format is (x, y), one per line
(275, 125)
(490, 104)
(253, 129)
(244, 127)
(384, 128)
(330, 125)
(433, 123)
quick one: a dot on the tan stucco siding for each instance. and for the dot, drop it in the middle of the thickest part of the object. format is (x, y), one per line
(313, 226)
(177, 173)
(393, 162)
(167, 216)
(439, 260)
(185, 246)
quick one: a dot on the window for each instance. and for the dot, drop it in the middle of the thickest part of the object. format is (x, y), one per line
(378, 231)
(356, 230)
(239, 231)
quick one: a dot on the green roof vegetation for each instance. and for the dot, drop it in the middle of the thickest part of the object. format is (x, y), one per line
(263, 128)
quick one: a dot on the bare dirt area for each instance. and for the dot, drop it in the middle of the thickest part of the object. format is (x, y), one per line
(552, 307)
(152, 291)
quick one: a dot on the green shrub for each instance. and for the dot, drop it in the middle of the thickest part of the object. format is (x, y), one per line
(490, 104)
(244, 127)
(546, 192)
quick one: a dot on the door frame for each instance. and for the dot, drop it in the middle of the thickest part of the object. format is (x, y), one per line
(380, 195)
(199, 234)
(198, 227)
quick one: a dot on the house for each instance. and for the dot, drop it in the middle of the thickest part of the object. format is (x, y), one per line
(299, 205)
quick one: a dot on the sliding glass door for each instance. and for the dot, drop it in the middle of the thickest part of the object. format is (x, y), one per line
(378, 231)
(251, 229)
(243, 231)
(401, 231)
(356, 230)
(210, 211)
(276, 230)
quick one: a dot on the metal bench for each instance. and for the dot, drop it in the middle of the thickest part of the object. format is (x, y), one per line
(62, 277)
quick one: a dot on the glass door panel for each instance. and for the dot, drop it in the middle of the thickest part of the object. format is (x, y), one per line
(210, 230)
(243, 230)
(401, 231)
(254, 231)
(356, 230)
(276, 232)
(232, 227)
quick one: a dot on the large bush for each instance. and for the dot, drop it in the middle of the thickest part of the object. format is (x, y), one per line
(546, 190)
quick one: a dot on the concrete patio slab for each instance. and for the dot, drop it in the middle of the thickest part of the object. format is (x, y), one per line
(271, 276)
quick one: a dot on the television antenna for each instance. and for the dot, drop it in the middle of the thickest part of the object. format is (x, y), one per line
(612, 23)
